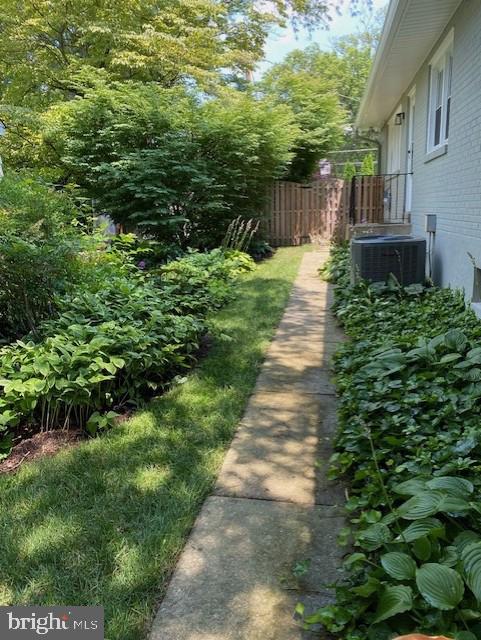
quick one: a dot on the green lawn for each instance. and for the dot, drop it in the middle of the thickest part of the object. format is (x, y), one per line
(103, 523)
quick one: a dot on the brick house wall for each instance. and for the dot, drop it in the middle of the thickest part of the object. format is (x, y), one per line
(449, 185)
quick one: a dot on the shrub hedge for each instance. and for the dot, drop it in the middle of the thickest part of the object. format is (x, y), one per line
(409, 442)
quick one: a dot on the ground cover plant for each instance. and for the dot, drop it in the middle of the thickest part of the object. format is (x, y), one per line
(113, 342)
(103, 522)
(409, 443)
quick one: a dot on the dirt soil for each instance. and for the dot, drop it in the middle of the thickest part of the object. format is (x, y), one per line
(39, 446)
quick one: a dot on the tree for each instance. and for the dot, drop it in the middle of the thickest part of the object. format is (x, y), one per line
(179, 168)
(352, 59)
(349, 171)
(343, 70)
(324, 89)
(367, 166)
(94, 93)
(248, 143)
(317, 111)
(46, 44)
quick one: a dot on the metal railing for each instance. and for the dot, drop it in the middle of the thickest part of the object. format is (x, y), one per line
(379, 199)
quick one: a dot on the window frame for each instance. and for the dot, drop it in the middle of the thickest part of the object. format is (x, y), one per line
(440, 95)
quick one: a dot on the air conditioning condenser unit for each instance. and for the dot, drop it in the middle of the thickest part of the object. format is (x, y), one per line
(375, 257)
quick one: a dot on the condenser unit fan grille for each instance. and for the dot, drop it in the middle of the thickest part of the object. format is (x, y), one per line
(375, 258)
(400, 261)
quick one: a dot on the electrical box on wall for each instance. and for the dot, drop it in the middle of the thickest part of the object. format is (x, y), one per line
(430, 222)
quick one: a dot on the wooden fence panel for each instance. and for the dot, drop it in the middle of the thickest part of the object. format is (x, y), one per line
(369, 199)
(300, 213)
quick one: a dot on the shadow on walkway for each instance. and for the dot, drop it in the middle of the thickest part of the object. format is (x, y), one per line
(273, 507)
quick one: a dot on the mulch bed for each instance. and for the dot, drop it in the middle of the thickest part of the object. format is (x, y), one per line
(47, 443)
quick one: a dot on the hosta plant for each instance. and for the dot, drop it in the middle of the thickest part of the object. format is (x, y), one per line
(409, 382)
(418, 566)
(114, 342)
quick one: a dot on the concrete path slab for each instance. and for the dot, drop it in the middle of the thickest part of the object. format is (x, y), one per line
(309, 380)
(234, 580)
(277, 454)
(301, 324)
(273, 505)
(300, 403)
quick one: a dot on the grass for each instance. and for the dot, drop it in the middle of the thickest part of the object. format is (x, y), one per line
(104, 522)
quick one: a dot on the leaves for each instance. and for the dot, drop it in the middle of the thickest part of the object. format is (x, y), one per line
(471, 558)
(456, 486)
(465, 539)
(422, 549)
(454, 505)
(181, 183)
(399, 565)
(455, 340)
(128, 334)
(410, 487)
(440, 586)
(164, 43)
(317, 110)
(393, 600)
(422, 528)
(409, 443)
(421, 505)
(374, 536)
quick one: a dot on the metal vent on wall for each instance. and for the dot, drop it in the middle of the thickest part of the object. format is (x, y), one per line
(375, 257)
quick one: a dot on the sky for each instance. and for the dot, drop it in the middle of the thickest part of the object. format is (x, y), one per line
(282, 41)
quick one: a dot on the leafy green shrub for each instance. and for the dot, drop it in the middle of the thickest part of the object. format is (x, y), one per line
(178, 168)
(260, 249)
(409, 415)
(85, 368)
(349, 171)
(32, 210)
(199, 281)
(367, 166)
(38, 252)
(115, 340)
(146, 253)
(32, 274)
(419, 566)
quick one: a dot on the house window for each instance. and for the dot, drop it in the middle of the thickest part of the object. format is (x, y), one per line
(441, 76)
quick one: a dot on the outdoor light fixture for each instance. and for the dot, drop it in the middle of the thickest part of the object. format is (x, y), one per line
(400, 117)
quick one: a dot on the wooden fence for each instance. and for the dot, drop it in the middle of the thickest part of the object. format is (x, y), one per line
(367, 204)
(300, 213)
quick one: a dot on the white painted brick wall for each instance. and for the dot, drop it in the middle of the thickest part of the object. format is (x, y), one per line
(450, 186)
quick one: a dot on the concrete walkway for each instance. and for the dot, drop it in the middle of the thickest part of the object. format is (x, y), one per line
(273, 506)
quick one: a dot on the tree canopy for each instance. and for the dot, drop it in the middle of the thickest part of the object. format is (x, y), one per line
(165, 161)
(46, 44)
(139, 104)
(324, 89)
(317, 110)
